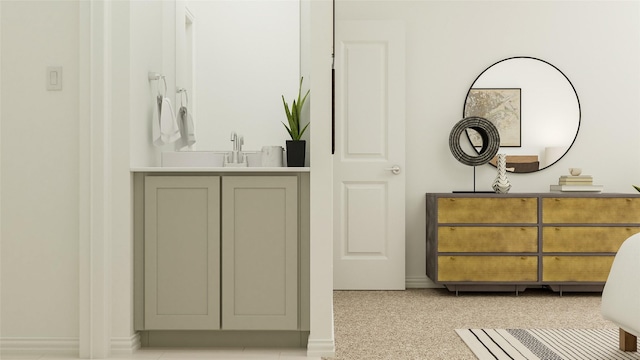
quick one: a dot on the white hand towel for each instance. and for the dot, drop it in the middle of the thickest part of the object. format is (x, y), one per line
(169, 130)
(164, 126)
(156, 134)
(187, 129)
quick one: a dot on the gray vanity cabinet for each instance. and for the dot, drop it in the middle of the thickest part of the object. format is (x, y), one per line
(182, 252)
(221, 253)
(259, 252)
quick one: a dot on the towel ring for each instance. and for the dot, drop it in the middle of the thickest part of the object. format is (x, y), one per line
(186, 96)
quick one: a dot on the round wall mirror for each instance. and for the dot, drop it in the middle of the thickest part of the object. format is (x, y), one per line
(534, 106)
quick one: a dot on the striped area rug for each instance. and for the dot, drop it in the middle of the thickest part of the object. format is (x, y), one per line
(545, 344)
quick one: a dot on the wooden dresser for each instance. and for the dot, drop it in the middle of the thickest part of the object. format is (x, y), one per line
(510, 242)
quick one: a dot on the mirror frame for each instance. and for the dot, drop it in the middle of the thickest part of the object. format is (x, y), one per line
(566, 78)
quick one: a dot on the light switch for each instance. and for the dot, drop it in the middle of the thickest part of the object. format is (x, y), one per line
(54, 78)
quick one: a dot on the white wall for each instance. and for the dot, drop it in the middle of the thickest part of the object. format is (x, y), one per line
(595, 43)
(318, 62)
(39, 161)
(121, 188)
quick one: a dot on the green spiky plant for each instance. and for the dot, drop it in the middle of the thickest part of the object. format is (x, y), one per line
(293, 114)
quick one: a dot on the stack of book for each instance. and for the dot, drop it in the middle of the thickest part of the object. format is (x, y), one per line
(580, 183)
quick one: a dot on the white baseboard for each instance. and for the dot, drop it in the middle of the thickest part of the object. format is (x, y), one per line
(420, 282)
(321, 348)
(63, 346)
(125, 345)
(43, 345)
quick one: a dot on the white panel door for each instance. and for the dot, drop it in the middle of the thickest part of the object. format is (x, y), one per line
(369, 174)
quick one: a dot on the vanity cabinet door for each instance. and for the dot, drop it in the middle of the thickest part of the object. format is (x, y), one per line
(260, 252)
(182, 252)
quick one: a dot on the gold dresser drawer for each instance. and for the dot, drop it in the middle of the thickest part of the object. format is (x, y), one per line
(487, 239)
(488, 268)
(624, 210)
(488, 210)
(576, 268)
(585, 239)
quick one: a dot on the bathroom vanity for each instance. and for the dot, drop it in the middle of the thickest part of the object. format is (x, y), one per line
(221, 256)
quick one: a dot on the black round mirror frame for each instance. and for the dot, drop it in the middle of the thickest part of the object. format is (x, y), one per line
(553, 66)
(490, 140)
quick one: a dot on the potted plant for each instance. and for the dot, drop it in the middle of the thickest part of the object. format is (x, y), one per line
(295, 146)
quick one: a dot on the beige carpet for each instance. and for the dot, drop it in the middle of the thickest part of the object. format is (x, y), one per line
(421, 323)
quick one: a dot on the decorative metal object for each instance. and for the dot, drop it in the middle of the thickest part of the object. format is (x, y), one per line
(490, 140)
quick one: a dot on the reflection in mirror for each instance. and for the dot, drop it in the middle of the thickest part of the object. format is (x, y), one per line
(534, 106)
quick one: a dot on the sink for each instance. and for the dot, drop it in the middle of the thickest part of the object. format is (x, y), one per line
(204, 158)
(192, 158)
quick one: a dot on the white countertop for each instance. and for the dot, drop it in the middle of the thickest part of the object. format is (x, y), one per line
(158, 169)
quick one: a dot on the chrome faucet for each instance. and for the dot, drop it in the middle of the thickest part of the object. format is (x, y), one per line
(234, 140)
(236, 157)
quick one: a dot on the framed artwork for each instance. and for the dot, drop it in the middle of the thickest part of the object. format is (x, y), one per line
(502, 108)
